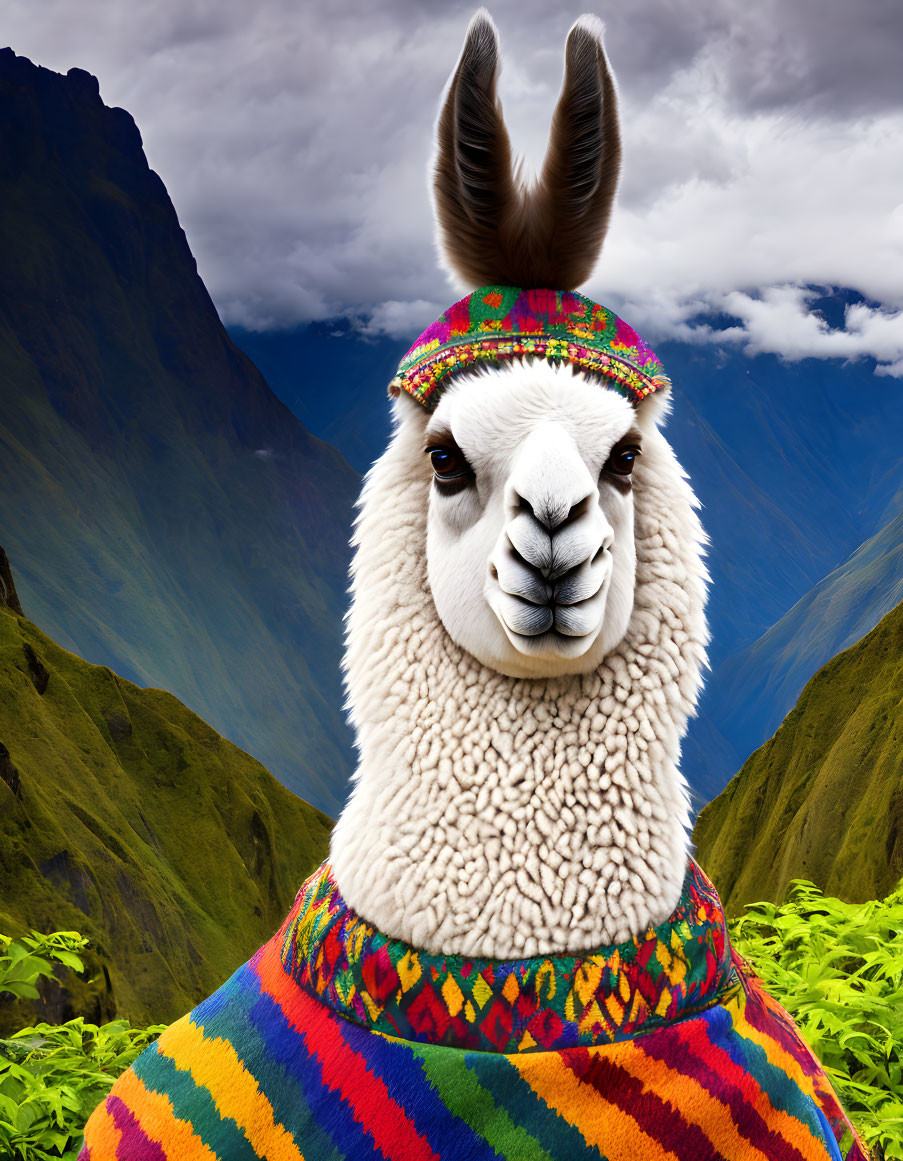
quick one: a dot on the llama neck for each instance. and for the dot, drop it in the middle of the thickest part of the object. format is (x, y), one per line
(507, 818)
(518, 821)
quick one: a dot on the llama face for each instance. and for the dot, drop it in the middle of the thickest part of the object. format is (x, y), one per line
(530, 543)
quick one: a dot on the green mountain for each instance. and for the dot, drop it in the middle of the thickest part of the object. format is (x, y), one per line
(750, 692)
(126, 817)
(168, 516)
(823, 799)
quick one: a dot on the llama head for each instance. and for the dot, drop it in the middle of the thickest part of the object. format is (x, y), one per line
(530, 534)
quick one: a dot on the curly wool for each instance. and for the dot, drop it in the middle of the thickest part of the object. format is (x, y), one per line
(501, 817)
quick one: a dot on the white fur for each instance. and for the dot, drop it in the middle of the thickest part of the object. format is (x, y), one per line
(507, 816)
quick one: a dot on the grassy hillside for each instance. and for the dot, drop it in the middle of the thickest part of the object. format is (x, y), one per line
(823, 799)
(125, 816)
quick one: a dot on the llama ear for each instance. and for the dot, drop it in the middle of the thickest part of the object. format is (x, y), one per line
(491, 229)
(573, 201)
(473, 185)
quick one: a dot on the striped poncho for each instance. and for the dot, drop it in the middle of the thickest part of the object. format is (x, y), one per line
(335, 1042)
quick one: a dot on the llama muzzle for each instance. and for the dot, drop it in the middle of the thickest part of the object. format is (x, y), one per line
(550, 566)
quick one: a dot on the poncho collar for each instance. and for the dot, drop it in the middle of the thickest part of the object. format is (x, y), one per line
(675, 970)
(498, 323)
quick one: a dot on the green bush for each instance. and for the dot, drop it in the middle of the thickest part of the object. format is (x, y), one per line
(52, 1077)
(838, 970)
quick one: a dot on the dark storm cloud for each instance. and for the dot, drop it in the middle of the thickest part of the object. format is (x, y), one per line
(762, 146)
(835, 58)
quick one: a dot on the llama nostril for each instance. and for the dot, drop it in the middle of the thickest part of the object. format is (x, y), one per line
(493, 571)
(525, 506)
(576, 512)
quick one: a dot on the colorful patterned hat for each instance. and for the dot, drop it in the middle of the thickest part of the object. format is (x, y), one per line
(496, 323)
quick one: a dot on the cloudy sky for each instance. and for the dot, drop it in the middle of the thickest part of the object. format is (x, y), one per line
(763, 152)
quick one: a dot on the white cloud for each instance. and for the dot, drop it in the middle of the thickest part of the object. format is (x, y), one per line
(794, 202)
(762, 151)
(400, 319)
(782, 320)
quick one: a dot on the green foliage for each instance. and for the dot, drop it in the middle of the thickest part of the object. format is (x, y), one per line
(838, 970)
(51, 1078)
(25, 960)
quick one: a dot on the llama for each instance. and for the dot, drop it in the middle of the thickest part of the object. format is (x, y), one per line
(510, 952)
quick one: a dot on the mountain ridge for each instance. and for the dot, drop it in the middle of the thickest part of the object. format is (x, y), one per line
(168, 515)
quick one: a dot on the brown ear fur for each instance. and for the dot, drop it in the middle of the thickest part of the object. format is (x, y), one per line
(491, 228)
(580, 176)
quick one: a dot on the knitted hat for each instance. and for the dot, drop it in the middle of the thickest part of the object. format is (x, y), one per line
(496, 323)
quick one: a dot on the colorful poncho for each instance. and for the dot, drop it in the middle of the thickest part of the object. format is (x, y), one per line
(334, 1042)
(498, 323)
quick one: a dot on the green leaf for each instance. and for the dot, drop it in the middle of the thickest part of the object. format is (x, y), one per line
(70, 959)
(22, 990)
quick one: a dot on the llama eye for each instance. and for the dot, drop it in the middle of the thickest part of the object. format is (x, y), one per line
(621, 460)
(448, 463)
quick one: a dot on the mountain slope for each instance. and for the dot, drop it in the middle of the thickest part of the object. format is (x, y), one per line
(794, 465)
(126, 817)
(296, 361)
(749, 693)
(823, 799)
(168, 516)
